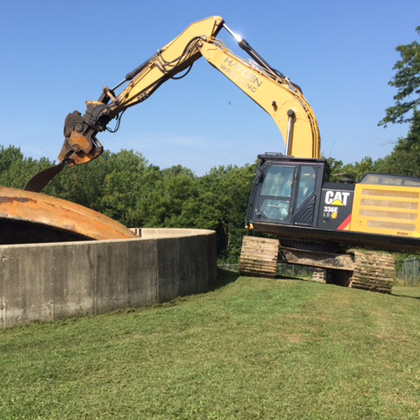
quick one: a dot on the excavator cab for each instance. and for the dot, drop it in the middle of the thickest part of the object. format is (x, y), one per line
(287, 191)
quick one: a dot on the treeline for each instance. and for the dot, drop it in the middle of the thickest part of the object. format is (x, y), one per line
(127, 188)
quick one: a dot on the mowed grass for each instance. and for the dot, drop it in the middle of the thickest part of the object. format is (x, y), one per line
(251, 349)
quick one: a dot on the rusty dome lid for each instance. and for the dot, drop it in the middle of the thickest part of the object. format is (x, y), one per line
(29, 217)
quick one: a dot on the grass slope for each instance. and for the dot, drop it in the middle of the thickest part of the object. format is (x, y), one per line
(251, 349)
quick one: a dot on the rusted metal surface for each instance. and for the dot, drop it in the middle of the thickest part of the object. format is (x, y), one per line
(41, 179)
(28, 217)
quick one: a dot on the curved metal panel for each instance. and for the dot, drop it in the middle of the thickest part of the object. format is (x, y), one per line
(32, 217)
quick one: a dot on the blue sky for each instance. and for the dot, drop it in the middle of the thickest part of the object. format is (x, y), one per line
(55, 55)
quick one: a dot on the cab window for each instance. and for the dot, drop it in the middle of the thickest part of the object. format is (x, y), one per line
(306, 184)
(276, 192)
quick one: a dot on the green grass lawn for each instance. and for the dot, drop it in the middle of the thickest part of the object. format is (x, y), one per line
(250, 349)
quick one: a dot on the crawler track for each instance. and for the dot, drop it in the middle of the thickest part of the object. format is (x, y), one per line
(374, 271)
(355, 268)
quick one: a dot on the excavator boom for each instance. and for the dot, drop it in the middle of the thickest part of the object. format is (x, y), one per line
(277, 95)
(270, 89)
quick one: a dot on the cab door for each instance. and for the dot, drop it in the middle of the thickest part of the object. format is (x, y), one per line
(307, 193)
(274, 201)
(289, 194)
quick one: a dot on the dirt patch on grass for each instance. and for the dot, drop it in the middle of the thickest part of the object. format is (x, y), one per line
(295, 338)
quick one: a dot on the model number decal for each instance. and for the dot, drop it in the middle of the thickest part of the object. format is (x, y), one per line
(336, 198)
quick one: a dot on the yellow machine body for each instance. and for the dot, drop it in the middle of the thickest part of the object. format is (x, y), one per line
(387, 209)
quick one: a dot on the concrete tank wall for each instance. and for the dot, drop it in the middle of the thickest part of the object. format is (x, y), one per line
(51, 281)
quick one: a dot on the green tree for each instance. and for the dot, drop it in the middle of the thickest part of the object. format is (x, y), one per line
(83, 184)
(122, 185)
(407, 82)
(164, 195)
(359, 169)
(221, 205)
(16, 170)
(8, 155)
(350, 171)
(405, 158)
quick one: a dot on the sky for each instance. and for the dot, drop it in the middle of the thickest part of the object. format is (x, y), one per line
(56, 54)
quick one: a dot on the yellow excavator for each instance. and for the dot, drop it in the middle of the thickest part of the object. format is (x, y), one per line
(310, 220)
(268, 87)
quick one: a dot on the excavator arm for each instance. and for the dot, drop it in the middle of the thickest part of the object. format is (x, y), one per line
(269, 88)
(80, 145)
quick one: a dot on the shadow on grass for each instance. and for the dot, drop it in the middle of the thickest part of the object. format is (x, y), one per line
(403, 291)
(400, 295)
(224, 277)
(291, 277)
